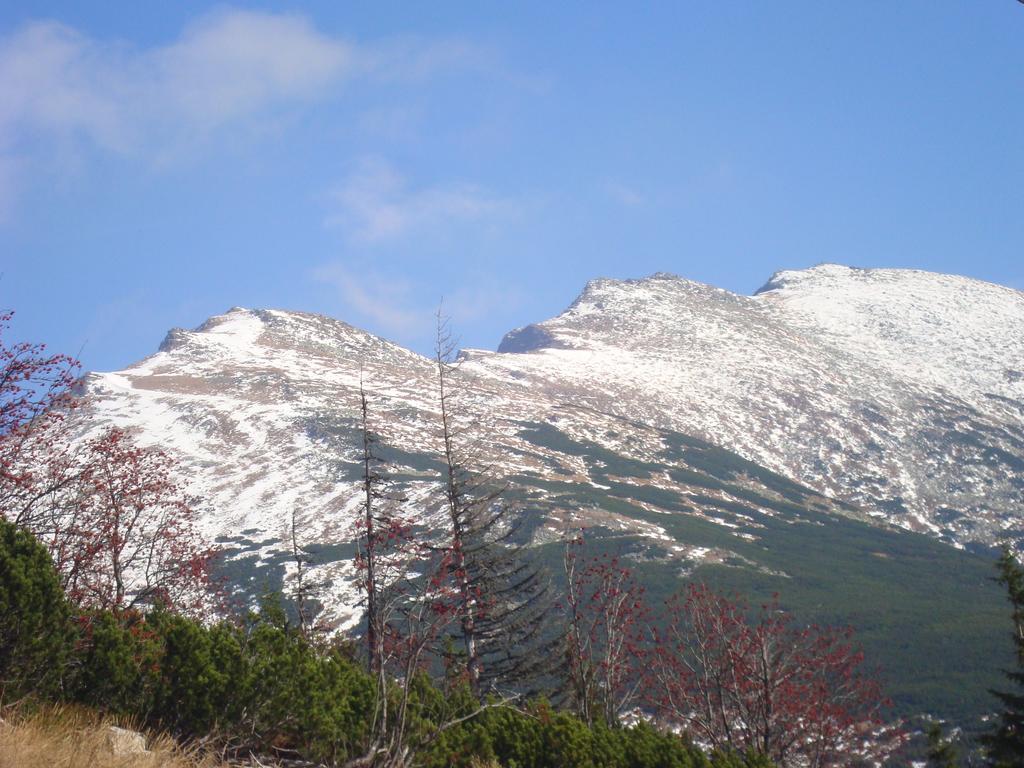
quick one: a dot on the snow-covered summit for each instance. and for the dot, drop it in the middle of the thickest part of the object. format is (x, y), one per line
(943, 330)
(705, 434)
(899, 389)
(896, 391)
(610, 310)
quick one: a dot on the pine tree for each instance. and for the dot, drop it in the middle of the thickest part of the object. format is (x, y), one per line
(34, 630)
(1005, 744)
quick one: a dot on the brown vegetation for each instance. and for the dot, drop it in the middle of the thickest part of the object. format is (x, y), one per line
(73, 737)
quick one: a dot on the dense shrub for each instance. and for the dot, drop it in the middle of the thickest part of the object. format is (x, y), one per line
(544, 738)
(314, 701)
(259, 685)
(114, 657)
(34, 629)
(199, 677)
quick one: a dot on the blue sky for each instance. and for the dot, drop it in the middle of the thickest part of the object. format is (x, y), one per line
(160, 163)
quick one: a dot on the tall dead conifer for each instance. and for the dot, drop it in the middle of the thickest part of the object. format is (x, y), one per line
(503, 595)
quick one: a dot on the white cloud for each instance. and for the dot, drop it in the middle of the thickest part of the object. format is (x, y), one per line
(239, 62)
(227, 66)
(62, 91)
(54, 79)
(376, 206)
(413, 59)
(376, 203)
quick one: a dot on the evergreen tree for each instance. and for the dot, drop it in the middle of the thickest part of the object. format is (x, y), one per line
(35, 633)
(1005, 744)
(941, 752)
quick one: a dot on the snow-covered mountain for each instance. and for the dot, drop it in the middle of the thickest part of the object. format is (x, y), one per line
(790, 435)
(900, 392)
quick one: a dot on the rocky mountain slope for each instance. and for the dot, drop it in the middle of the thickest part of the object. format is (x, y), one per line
(786, 437)
(896, 390)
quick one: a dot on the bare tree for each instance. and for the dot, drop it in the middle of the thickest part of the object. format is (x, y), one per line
(302, 589)
(37, 458)
(606, 636)
(797, 695)
(117, 522)
(137, 538)
(385, 554)
(115, 519)
(411, 599)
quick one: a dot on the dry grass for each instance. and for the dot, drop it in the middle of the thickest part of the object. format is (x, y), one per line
(69, 737)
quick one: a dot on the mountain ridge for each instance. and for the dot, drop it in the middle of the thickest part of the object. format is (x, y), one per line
(741, 396)
(976, 377)
(699, 431)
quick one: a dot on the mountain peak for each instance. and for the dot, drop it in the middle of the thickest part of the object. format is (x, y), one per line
(838, 277)
(624, 311)
(241, 330)
(947, 331)
(698, 427)
(786, 277)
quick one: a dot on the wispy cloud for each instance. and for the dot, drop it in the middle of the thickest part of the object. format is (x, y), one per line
(226, 66)
(228, 70)
(237, 63)
(623, 195)
(395, 307)
(412, 58)
(376, 203)
(386, 301)
(379, 210)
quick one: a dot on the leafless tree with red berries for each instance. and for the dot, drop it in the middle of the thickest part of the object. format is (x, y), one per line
(798, 695)
(607, 635)
(113, 514)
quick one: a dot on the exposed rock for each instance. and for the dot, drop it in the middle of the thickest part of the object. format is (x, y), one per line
(527, 339)
(121, 741)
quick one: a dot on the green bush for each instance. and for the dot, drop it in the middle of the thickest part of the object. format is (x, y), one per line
(115, 657)
(315, 701)
(34, 629)
(196, 682)
(261, 686)
(545, 738)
